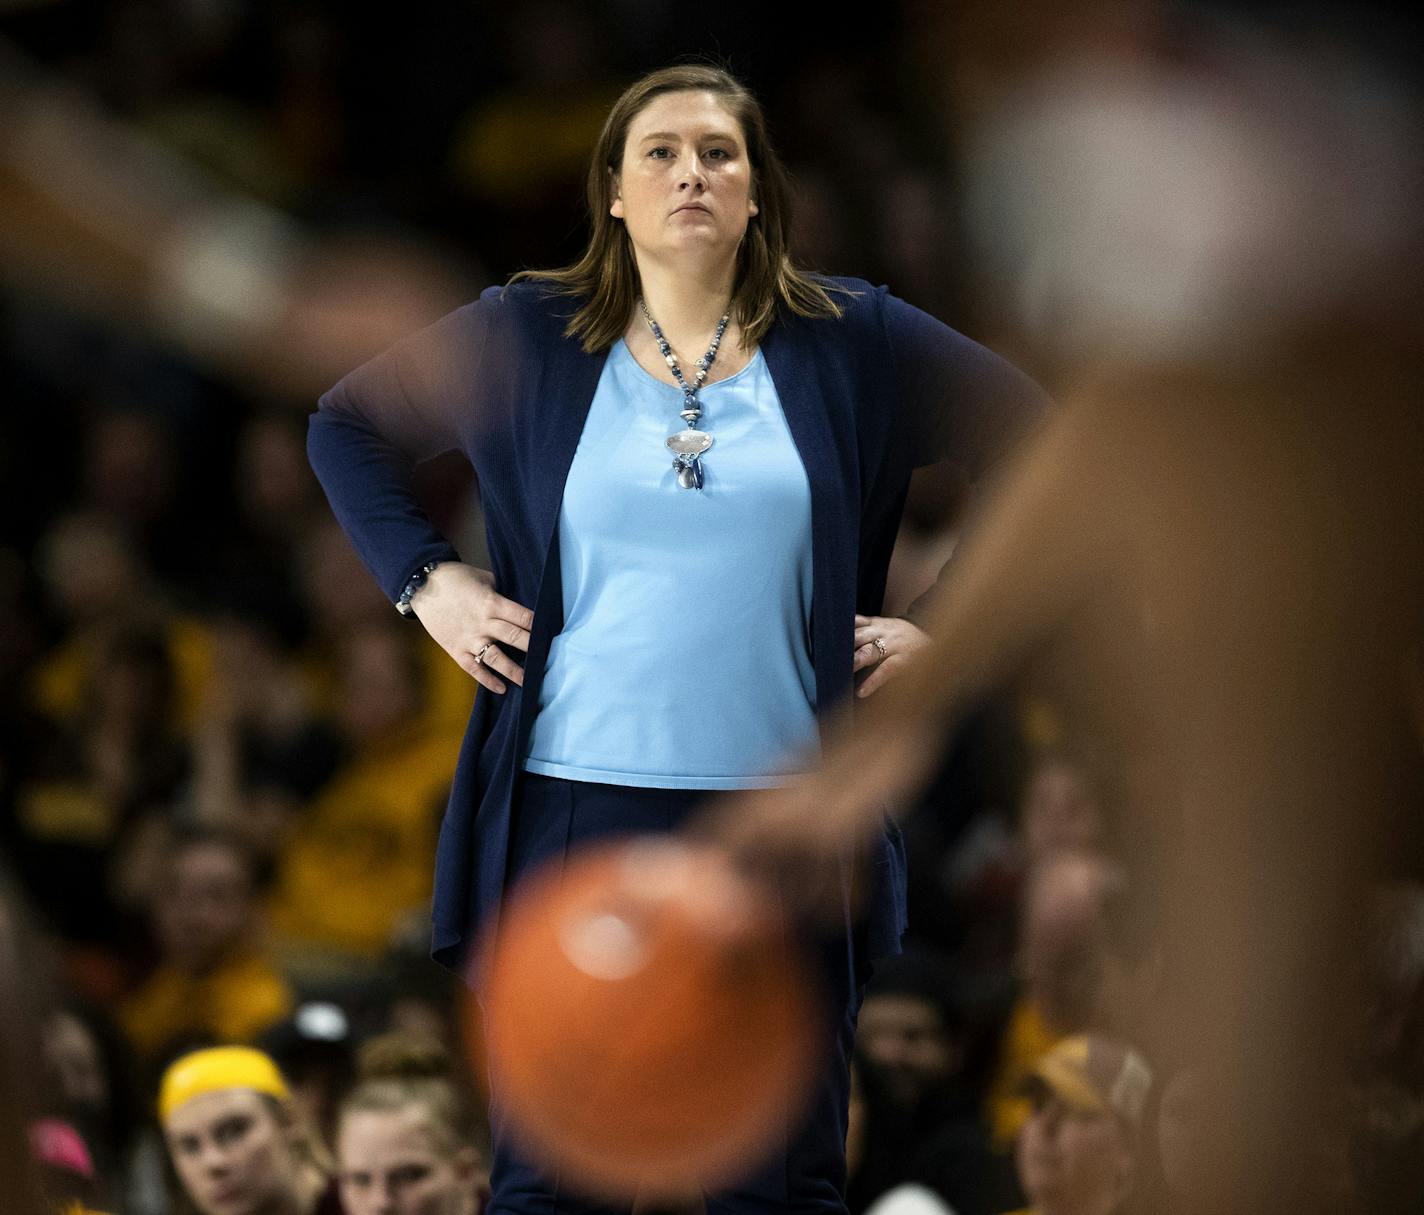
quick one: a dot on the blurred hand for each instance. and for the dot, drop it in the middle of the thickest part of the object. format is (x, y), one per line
(901, 640)
(460, 608)
(800, 834)
(349, 300)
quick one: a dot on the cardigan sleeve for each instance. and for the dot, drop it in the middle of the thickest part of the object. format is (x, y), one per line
(959, 401)
(370, 431)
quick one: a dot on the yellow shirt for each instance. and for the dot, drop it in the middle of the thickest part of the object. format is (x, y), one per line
(234, 1003)
(1027, 1039)
(449, 692)
(61, 679)
(364, 855)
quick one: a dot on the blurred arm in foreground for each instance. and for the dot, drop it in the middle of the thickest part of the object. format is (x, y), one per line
(1226, 259)
(98, 215)
(1227, 253)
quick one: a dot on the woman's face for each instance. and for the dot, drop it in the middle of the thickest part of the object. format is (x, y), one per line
(685, 186)
(391, 1164)
(232, 1153)
(73, 1053)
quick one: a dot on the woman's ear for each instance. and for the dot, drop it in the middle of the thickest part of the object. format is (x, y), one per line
(615, 208)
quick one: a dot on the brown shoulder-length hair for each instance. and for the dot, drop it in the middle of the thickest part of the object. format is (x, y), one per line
(605, 278)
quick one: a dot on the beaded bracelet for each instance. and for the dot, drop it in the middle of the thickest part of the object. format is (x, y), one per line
(417, 580)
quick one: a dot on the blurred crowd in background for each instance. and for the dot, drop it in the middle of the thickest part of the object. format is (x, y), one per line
(223, 756)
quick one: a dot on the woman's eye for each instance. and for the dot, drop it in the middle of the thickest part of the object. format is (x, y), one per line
(231, 1130)
(718, 153)
(660, 153)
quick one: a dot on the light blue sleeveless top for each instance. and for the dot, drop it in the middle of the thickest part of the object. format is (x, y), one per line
(685, 657)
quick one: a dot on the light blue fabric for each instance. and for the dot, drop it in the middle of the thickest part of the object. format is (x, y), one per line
(685, 656)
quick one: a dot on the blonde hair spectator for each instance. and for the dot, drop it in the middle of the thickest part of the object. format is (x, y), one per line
(408, 1138)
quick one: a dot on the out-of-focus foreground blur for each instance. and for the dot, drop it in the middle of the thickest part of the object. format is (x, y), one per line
(1185, 815)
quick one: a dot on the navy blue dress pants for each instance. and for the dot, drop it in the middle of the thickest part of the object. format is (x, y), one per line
(805, 1171)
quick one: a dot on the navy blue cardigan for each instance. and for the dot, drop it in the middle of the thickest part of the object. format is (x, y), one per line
(868, 397)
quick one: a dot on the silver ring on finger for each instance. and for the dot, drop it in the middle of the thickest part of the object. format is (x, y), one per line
(880, 645)
(480, 653)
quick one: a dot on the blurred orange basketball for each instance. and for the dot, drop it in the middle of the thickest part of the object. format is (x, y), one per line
(649, 1027)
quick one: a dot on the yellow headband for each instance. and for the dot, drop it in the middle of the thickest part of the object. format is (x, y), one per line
(221, 1067)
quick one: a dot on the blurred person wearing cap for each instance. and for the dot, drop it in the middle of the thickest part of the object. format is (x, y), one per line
(238, 1143)
(1063, 943)
(1077, 1152)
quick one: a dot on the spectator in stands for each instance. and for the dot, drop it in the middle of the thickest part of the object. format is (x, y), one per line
(93, 782)
(1059, 810)
(98, 586)
(341, 602)
(362, 857)
(409, 1141)
(274, 496)
(129, 473)
(89, 1070)
(1063, 944)
(908, 1027)
(972, 874)
(1077, 1151)
(67, 1173)
(22, 1004)
(237, 1143)
(213, 977)
(923, 1124)
(315, 1051)
(1387, 1155)
(261, 750)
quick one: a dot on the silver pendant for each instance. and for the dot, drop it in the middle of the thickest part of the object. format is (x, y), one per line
(686, 477)
(689, 442)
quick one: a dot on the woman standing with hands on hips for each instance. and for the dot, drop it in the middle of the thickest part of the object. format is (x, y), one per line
(692, 458)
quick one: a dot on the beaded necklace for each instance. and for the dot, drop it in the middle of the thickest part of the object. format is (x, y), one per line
(688, 444)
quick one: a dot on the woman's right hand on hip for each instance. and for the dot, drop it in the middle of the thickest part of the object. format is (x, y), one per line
(474, 623)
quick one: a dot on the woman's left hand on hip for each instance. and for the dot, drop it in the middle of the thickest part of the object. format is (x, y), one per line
(887, 644)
